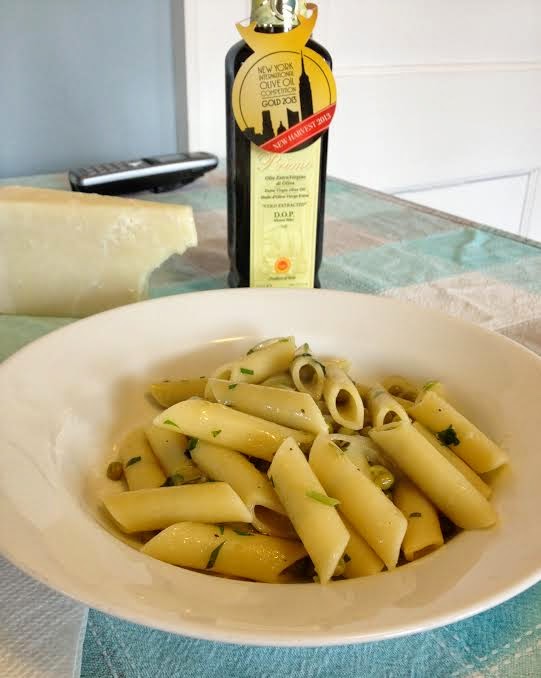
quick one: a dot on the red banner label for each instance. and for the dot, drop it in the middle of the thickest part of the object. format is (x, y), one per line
(301, 132)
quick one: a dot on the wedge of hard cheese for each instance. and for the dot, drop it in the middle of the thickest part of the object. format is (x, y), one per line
(73, 254)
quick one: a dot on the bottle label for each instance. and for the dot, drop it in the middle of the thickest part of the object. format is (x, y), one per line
(283, 217)
(284, 94)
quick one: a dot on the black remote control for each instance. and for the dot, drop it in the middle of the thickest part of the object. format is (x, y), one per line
(158, 173)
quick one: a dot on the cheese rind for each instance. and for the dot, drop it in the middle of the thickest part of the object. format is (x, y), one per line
(74, 254)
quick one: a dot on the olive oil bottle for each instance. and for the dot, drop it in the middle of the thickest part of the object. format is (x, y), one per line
(280, 98)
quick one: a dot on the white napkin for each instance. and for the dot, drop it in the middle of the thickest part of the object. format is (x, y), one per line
(41, 631)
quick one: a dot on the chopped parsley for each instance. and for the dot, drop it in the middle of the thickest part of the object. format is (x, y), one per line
(170, 423)
(192, 444)
(342, 444)
(232, 386)
(216, 433)
(214, 556)
(243, 534)
(271, 480)
(284, 340)
(415, 514)
(322, 498)
(303, 411)
(346, 558)
(133, 460)
(221, 528)
(448, 436)
(245, 370)
(429, 385)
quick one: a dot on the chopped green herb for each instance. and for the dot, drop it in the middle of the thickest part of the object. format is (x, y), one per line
(243, 534)
(192, 444)
(202, 377)
(132, 461)
(305, 355)
(448, 436)
(303, 411)
(115, 470)
(284, 340)
(216, 433)
(346, 558)
(378, 393)
(322, 498)
(415, 514)
(429, 385)
(271, 480)
(170, 423)
(214, 556)
(221, 528)
(245, 370)
(342, 444)
(232, 386)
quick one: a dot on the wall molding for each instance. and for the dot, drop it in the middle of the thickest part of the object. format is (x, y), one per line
(401, 69)
(461, 181)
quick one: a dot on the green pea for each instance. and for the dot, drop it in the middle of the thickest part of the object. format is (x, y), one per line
(382, 477)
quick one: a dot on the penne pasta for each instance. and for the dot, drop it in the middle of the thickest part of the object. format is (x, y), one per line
(371, 513)
(471, 445)
(288, 408)
(253, 487)
(360, 559)
(219, 424)
(169, 448)
(424, 532)
(343, 399)
(354, 449)
(400, 387)
(312, 513)
(141, 468)
(282, 380)
(264, 362)
(158, 508)
(308, 375)
(225, 550)
(169, 393)
(455, 460)
(436, 477)
(383, 407)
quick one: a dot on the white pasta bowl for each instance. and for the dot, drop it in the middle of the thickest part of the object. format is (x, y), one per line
(68, 397)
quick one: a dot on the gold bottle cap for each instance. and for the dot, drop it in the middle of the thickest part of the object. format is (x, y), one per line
(278, 12)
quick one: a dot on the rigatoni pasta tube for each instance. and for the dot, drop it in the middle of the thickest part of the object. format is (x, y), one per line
(219, 424)
(141, 468)
(424, 532)
(156, 509)
(343, 399)
(224, 550)
(263, 363)
(313, 516)
(474, 447)
(440, 481)
(169, 393)
(252, 486)
(169, 447)
(366, 507)
(288, 408)
(455, 460)
(382, 406)
(360, 559)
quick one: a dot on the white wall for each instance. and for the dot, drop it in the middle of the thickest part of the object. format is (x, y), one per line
(439, 101)
(84, 82)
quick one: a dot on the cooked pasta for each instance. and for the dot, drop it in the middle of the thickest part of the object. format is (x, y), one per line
(279, 468)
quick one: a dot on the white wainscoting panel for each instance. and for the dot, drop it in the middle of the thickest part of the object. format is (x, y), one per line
(497, 202)
(430, 95)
